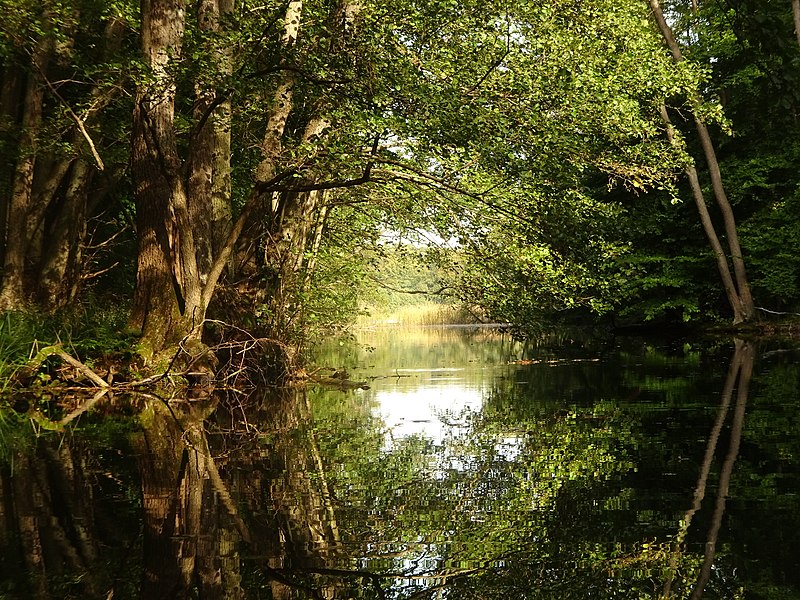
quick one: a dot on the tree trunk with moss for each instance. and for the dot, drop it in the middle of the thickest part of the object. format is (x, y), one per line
(167, 303)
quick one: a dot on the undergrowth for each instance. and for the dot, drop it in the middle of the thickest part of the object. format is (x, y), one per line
(87, 330)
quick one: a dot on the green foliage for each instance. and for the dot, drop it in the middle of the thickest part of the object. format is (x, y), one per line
(561, 102)
(751, 58)
(495, 127)
(15, 433)
(88, 330)
(527, 131)
(665, 287)
(770, 238)
(16, 335)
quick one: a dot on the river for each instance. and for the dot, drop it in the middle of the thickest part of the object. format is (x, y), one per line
(467, 465)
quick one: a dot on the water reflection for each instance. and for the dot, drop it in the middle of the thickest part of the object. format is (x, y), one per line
(191, 524)
(473, 467)
(739, 374)
(426, 382)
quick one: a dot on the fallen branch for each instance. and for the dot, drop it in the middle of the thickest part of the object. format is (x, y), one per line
(56, 350)
(774, 312)
(82, 368)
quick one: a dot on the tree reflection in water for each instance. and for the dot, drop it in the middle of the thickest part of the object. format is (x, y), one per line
(741, 370)
(296, 494)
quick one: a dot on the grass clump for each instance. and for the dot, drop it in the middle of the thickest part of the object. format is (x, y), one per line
(17, 332)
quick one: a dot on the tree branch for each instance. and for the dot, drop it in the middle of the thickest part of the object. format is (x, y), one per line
(76, 118)
(261, 188)
(439, 292)
(295, 69)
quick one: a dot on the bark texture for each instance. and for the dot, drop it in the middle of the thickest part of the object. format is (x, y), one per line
(209, 179)
(19, 225)
(168, 299)
(183, 202)
(796, 19)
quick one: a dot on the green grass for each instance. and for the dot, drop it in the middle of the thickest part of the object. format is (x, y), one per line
(17, 333)
(87, 330)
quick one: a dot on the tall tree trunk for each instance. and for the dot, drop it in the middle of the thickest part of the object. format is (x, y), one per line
(17, 227)
(708, 227)
(316, 243)
(13, 86)
(163, 462)
(27, 505)
(282, 103)
(62, 205)
(209, 182)
(295, 223)
(61, 254)
(300, 498)
(737, 257)
(796, 18)
(745, 300)
(45, 213)
(168, 298)
(705, 470)
(268, 200)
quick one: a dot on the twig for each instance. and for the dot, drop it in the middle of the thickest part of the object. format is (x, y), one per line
(774, 312)
(98, 273)
(77, 120)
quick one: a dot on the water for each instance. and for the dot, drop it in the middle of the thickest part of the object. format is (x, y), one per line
(474, 466)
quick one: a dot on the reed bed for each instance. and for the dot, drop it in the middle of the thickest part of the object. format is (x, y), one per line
(418, 314)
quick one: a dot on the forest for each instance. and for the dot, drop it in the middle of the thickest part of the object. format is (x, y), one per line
(202, 205)
(176, 173)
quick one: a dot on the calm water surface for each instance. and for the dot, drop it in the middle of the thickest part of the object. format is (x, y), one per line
(474, 467)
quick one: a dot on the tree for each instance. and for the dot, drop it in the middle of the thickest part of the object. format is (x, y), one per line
(168, 300)
(576, 113)
(181, 258)
(254, 125)
(61, 73)
(737, 288)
